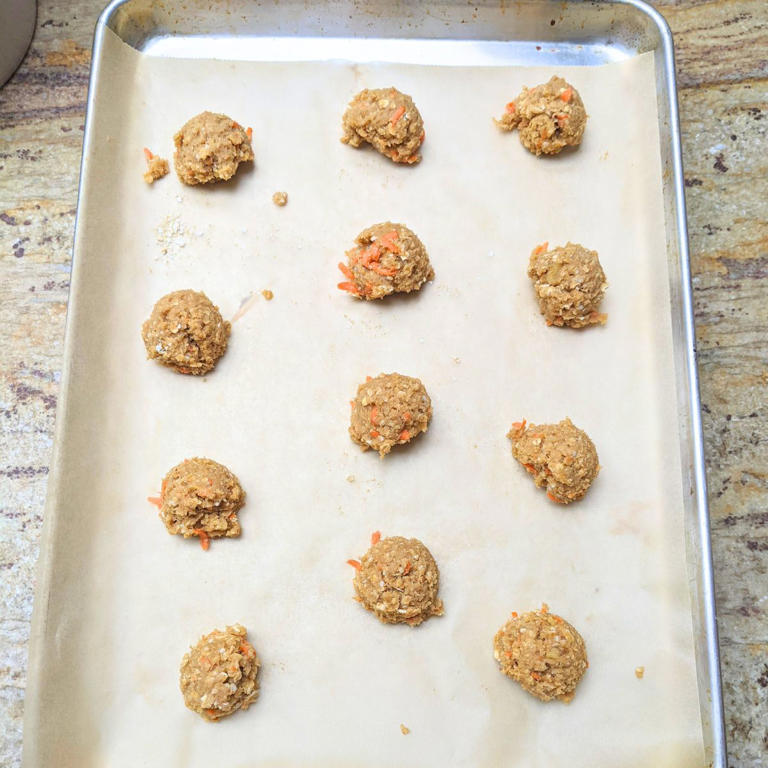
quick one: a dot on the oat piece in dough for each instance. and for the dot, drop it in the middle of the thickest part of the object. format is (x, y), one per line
(388, 258)
(397, 579)
(210, 147)
(561, 458)
(549, 117)
(543, 653)
(186, 332)
(201, 497)
(388, 120)
(157, 167)
(569, 283)
(389, 410)
(218, 676)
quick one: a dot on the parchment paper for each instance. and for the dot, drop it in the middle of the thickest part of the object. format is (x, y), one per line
(126, 599)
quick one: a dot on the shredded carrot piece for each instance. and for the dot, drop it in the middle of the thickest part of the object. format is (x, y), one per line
(530, 468)
(399, 112)
(369, 254)
(509, 654)
(519, 425)
(541, 248)
(554, 498)
(374, 433)
(379, 270)
(407, 416)
(211, 712)
(510, 107)
(355, 564)
(404, 435)
(558, 619)
(514, 614)
(147, 154)
(205, 539)
(566, 95)
(544, 608)
(407, 568)
(156, 500)
(375, 537)
(367, 289)
(536, 676)
(235, 124)
(349, 286)
(387, 241)
(374, 414)
(368, 378)
(249, 133)
(347, 272)
(561, 120)
(422, 137)
(246, 649)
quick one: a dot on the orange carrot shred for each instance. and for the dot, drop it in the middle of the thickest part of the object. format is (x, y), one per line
(349, 286)
(566, 95)
(399, 112)
(541, 248)
(374, 433)
(368, 378)
(147, 154)
(422, 137)
(404, 435)
(355, 564)
(245, 649)
(407, 416)
(374, 414)
(249, 133)
(375, 537)
(554, 498)
(156, 500)
(514, 614)
(387, 241)
(347, 272)
(536, 676)
(205, 539)
(211, 712)
(530, 468)
(407, 568)
(518, 425)
(510, 107)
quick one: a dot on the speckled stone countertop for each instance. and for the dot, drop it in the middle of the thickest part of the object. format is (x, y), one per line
(722, 60)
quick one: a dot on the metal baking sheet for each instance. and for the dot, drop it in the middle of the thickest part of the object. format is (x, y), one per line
(73, 711)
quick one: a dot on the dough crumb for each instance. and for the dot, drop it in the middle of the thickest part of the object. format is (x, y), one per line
(389, 410)
(210, 147)
(387, 258)
(386, 119)
(404, 729)
(350, 478)
(639, 672)
(560, 457)
(397, 579)
(280, 198)
(157, 167)
(543, 653)
(218, 676)
(548, 117)
(267, 294)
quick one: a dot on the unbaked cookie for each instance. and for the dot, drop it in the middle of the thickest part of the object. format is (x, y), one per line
(561, 458)
(210, 147)
(389, 410)
(397, 580)
(201, 497)
(570, 283)
(542, 652)
(219, 675)
(388, 258)
(388, 120)
(186, 332)
(549, 117)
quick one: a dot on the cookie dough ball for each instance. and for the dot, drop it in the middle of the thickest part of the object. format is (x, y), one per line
(388, 120)
(388, 258)
(219, 674)
(397, 580)
(210, 147)
(543, 653)
(561, 458)
(569, 283)
(186, 332)
(389, 410)
(201, 497)
(549, 117)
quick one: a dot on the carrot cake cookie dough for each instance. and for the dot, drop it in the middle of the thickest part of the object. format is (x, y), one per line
(157, 167)
(186, 332)
(210, 147)
(386, 119)
(561, 458)
(201, 497)
(397, 580)
(388, 258)
(389, 410)
(549, 117)
(542, 652)
(219, 674)
(569, 283)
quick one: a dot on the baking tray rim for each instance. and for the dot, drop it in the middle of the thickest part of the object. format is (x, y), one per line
(716, 724)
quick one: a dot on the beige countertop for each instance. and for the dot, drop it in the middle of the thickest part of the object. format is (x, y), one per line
(722, 60)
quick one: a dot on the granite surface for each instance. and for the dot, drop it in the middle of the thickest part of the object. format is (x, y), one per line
(722, 60)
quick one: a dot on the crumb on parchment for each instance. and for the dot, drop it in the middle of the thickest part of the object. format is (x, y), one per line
(267, 294)
(157, 167)
(404, 729)
(280, 198)
(639, 672)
